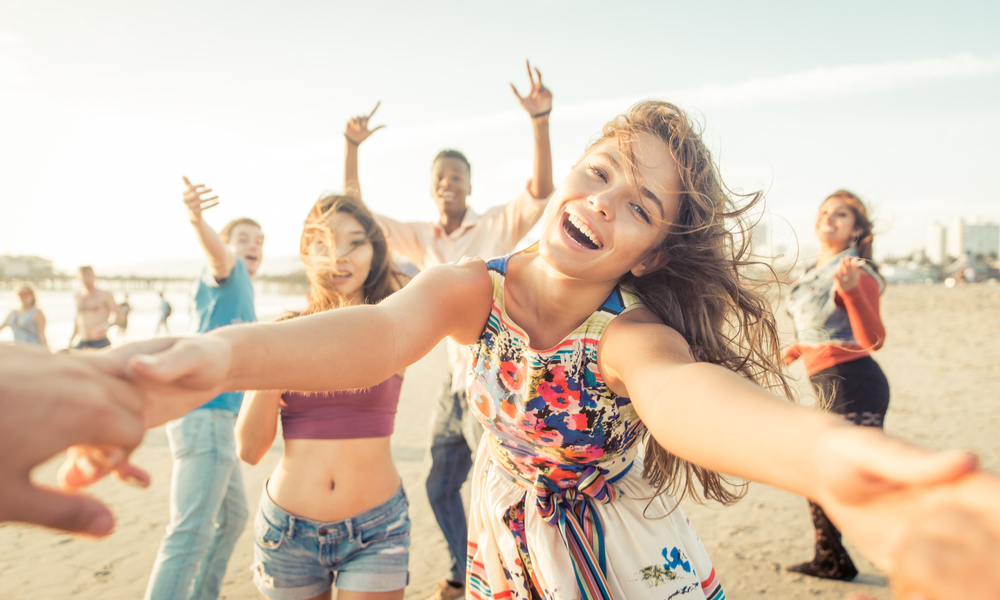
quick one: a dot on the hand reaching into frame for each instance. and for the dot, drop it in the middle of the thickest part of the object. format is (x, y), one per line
(538, 101)
(195, 201)
(357, 128)
(51, 402)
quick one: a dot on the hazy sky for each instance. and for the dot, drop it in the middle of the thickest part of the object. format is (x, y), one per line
(104, 105)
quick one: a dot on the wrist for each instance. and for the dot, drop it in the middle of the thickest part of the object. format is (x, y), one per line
(351, 143)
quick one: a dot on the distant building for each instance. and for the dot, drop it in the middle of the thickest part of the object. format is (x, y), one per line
(975, 237)
(25, 267)
(935, 247)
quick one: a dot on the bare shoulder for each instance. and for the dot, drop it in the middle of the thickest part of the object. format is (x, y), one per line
(639, 337)
(465, 276)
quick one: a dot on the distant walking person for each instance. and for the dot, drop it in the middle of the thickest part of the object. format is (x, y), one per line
(208, 506)
(93, 308)
(165, 311)
(835, 309)
(27, 322)
(126, 308)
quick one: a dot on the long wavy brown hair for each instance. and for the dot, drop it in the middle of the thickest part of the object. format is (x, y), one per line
(383, 277)
(704, 290)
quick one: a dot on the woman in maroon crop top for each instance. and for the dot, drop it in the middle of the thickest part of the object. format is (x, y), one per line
(328, 511)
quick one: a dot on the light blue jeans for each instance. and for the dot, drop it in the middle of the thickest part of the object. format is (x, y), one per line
(455, 435)
(208, 508)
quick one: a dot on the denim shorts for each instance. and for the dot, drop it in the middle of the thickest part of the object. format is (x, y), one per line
(297, 558)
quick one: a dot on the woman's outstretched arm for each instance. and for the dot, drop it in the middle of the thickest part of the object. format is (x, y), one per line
(340, 349)
(870, 484)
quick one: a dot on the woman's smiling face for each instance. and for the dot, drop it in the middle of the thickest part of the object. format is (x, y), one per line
(597, 227)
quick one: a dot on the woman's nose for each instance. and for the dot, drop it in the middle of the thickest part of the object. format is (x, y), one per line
(601, 203)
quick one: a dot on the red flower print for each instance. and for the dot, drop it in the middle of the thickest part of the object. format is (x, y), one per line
(511, 376)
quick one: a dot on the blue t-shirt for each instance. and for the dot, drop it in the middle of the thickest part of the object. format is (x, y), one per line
(217, 305)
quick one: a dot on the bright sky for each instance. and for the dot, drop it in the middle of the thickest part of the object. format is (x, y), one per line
(105, 104)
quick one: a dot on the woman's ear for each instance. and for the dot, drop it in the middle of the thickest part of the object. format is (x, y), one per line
(651, 263)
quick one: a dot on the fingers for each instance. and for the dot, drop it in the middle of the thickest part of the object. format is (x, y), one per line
(539, 74)
(75, 513)
(166, 367)
(209, 203)
(527, 65)
(377, 128)
(897, 462)
(132, 475)
(516, 93)
(377, 104)
(187, 182)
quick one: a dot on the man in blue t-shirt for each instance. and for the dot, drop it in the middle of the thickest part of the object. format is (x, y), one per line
(208, 506)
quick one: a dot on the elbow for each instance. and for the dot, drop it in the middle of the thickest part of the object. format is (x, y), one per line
(248, 454)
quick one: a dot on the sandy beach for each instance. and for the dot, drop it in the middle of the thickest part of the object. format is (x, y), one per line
(942, 358)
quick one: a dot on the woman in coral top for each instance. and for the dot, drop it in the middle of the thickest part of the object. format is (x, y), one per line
(835, 309)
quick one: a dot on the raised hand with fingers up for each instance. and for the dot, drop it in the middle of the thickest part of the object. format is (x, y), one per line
(538, 101)
(357, 128)
(195, 200)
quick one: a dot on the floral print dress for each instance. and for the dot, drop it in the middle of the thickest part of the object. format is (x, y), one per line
(559, 508)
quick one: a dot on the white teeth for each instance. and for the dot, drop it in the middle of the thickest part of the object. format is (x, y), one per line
(587, 231)
(448, 195)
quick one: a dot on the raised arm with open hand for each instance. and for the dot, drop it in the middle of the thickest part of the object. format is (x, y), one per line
(355, 132)
(538, 101)
(49, 403)
(221, 259)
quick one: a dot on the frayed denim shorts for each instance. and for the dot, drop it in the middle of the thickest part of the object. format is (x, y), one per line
(297, 558)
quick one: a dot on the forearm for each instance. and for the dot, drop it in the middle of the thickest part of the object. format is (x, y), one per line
(541, 181)
(343, 349)
(861, 304)
(257, 425)
(777, 440)
(220, 258)
(352, 184)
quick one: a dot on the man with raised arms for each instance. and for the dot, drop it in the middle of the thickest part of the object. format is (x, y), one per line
(93, 307)
(460, 232)
(208, 506)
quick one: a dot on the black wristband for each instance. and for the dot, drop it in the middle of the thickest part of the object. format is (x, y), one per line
(350, 141)
(541, 114)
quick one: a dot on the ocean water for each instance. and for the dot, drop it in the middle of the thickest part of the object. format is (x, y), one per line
(60, 310)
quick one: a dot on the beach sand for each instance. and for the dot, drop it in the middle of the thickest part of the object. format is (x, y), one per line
(942, 358)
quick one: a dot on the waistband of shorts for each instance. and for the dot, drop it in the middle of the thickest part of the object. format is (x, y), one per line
(373, 517)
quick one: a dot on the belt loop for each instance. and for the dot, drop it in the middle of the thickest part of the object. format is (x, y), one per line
(350, 529)
(291, 526)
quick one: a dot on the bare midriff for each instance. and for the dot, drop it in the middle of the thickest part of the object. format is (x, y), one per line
(332, 480)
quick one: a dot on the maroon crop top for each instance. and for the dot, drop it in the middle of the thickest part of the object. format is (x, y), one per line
(344, 415)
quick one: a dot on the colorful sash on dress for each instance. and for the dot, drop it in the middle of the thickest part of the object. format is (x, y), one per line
(570, 510)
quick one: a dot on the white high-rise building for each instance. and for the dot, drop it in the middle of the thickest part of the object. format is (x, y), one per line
(975, 237)
(935, 248)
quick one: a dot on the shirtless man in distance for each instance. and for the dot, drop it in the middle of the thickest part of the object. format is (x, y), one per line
(93, 307)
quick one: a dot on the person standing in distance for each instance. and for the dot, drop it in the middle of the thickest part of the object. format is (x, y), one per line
(208, 506)
(460, 232)
(93, 307)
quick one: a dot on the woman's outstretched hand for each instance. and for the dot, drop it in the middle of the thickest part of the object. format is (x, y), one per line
(538, 101)
(357, 130)
(925, 518)
(952, 551)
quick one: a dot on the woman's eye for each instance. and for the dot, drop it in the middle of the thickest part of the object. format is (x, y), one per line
(598, 173)
(641, 212)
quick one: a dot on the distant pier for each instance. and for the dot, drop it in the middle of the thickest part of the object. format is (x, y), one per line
(283, 285)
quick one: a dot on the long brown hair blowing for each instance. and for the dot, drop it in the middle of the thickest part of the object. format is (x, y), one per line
(702, 291)
(861, 221)
(383, 278)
